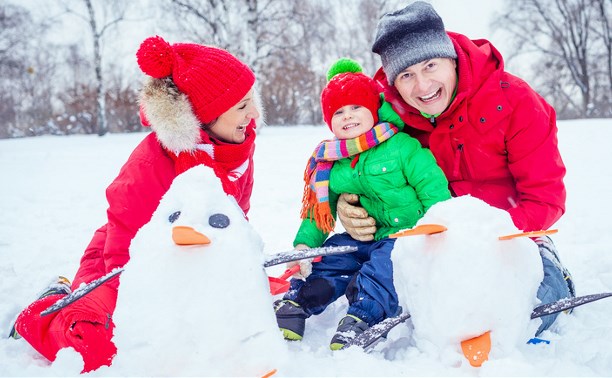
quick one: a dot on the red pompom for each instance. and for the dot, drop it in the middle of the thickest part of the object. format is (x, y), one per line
(155, 57)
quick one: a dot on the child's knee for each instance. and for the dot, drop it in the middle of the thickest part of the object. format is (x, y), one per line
(315, 294)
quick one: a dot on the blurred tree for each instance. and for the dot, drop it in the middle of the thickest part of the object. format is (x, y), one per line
(100, 16)
(572, 42)
(122, 102)
(14, 59)
(289, 44)
(256, 31)
(77, 95)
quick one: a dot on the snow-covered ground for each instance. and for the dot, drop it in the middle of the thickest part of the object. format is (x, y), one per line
(52, 199)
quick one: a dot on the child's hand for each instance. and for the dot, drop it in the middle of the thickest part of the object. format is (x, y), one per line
(305, 264)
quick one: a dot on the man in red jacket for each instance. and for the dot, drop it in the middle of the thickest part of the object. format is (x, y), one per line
(494, 137)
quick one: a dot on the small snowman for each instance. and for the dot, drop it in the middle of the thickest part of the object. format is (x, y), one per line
(194, 298)
(465, 282)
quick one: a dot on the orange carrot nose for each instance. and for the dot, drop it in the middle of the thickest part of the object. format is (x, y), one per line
(184, 235)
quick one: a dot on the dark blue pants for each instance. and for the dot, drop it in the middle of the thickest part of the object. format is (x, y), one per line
(557, 283)
(365, 276)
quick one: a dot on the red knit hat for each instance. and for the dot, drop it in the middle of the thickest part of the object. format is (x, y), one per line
(348, 86)
(212, 78)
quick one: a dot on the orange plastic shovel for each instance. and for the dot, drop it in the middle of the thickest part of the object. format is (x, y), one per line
(423, 229)
(529, 234)
(280, 284)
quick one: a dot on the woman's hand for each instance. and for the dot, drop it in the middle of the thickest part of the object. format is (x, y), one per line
(355, 218)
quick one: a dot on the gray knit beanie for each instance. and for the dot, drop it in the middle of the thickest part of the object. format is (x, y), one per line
(409, 36)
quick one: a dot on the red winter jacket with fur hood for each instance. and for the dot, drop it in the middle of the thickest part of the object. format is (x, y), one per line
(498, 139)
(135, 194)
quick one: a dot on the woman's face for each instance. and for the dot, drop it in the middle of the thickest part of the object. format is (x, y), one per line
(230, 127)
(428, 85)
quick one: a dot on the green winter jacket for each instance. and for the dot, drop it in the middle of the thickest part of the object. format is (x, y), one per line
(397, 182)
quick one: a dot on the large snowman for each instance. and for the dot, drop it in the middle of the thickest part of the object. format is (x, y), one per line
(194, 298)
(465, 282)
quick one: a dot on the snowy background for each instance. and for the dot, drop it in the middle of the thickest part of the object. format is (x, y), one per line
(52, 199)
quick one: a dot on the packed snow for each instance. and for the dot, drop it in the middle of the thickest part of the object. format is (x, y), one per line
(455, 294)
(181, 309)
(196, 324)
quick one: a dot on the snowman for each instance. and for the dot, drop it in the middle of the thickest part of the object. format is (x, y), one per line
(194, 298)
(465, 283)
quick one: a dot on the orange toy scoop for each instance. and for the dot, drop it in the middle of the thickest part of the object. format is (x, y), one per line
(529, 234)
(423, 229)
(477, 350)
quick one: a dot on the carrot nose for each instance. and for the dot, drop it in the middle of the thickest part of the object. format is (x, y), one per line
(184, 235)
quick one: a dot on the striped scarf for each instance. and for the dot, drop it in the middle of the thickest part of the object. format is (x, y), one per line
(315, 202)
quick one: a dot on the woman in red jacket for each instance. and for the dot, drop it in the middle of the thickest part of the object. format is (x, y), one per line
(493, 136)
(200, 103)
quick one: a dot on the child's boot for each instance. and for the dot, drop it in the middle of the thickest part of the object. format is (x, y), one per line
(349, 327)
(59, 285)
(291, 319)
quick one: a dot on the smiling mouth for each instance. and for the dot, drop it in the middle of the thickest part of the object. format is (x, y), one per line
(349, 126)
(431, 97)
(243, 126)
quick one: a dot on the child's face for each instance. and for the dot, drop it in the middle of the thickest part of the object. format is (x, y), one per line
(350, 121)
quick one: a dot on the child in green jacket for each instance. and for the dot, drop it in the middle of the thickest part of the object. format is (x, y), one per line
(397, 182)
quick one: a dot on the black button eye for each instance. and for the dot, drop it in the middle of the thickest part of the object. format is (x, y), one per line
(218, 220)
(174, 216)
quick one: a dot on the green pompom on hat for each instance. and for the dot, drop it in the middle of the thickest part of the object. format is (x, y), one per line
(343, 65)
(348, 85)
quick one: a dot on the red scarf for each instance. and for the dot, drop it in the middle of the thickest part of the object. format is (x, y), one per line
(222, 157)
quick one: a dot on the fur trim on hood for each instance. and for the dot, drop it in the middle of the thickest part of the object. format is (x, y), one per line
(170, 115)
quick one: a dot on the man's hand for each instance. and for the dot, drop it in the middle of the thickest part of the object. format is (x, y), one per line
(354, 218)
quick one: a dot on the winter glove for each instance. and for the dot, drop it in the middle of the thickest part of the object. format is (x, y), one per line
(305, 265)
(84, 325)
(355, 218)
(88, 326)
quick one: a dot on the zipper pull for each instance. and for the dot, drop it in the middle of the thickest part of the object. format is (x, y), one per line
(457, 160)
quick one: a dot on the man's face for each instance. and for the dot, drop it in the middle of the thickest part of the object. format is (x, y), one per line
(428, 85)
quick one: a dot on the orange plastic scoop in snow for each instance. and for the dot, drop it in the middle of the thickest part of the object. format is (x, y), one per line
(280, 284)
(423, 229)
(477, 350)
(529, 234)
(184, 235)
(269, 374)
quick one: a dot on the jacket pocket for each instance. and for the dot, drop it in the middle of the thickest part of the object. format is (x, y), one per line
(385, 174)
(462, 166)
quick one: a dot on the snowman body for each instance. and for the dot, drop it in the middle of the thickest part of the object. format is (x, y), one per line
(196, 309)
